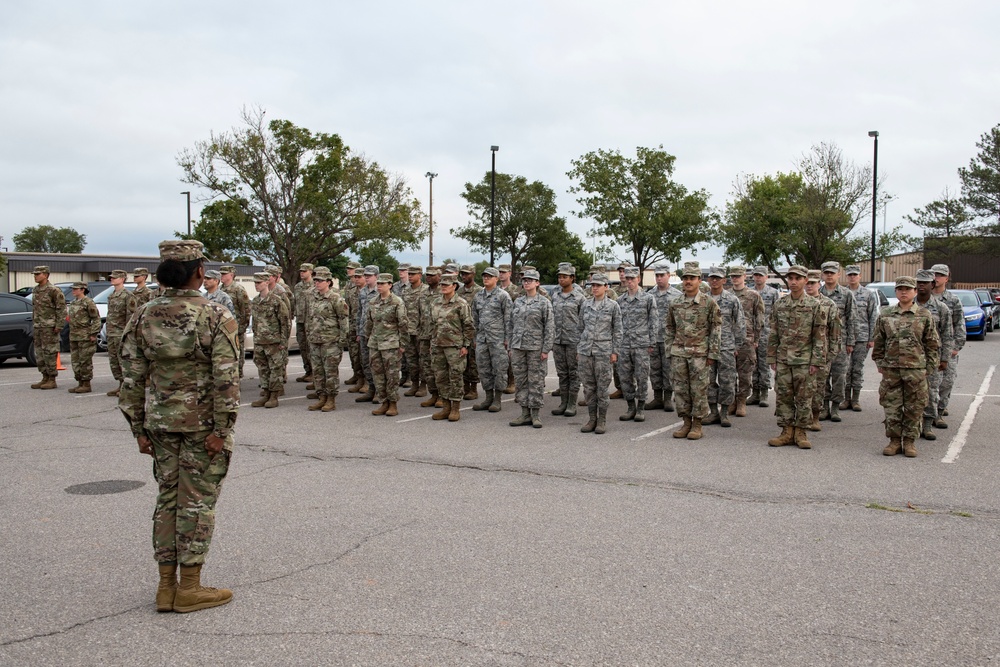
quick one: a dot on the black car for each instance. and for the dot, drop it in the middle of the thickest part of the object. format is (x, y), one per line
(990, 307)
(17, 334)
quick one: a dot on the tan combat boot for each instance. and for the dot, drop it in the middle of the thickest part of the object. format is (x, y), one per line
(421, 390)
(471, 392)
(320, 402)
(787, 437)
(683, 431)
(50, 383)
(814, 425)
(259, 403)
(429, 403)
(167, 588)
(392, 411)
(453, 414)
(330, 405)
(192, 596)
(801, 439)
(382, 409)
(909, 450)
(602, 420)
(84, 387)
(45, 378)
(618, 394)
(894, 447)
(695, 432)
(72, 390)
(116, 390)
(741, 407)
(272, 400)
(732, 409)
(412, 391)
(443, 412)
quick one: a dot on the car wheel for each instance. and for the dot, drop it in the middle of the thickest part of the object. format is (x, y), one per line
(31, 354)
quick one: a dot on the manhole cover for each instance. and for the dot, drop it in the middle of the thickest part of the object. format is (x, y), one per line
(105, 487)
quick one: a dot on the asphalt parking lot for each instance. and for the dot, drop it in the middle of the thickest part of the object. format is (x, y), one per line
(350, 539)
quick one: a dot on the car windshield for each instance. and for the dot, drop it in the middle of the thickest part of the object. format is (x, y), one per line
(102, 297)
(888, 290)
(968, 298)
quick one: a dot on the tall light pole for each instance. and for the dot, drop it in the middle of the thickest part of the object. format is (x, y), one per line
(188, 193)
(430, 248)
(874, 135)
(493, 200)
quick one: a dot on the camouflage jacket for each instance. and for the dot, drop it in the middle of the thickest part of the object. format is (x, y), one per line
(769, 296)
(282, 292)
(610, 293)
(566, 316)
(351, 293)
(302, 298)
(221, 298)
(84, 319)
(142, 296)
(531, 325)
(663, 301)
(513, 291)
(941, 313)
(326, 319)
(365, 296)
(694, 327)
(957, 319)
(866, 306)
(490, 312)
(797, 334)
(399, 288)
(271, 322)
(241, 303)
(640, 320)
(411, 299)
(121, 305)
(425, 328)
(832, 316)
(48, 307)
(386, 326)
(600, 327)
(844, 298)
(187, 348)
(452, 322)
(734, 325)
(906, 339)
(753, 313)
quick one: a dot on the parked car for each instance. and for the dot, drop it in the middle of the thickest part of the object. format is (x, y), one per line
(975, 316)
(990, 307)
(293, 343)
(67, 290)
(17, 334)
(888, 290)
(101, 298)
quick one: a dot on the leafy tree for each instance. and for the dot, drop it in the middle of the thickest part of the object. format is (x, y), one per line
(947, 216)
(305, 196)
(46, 238)
(981, 181)
(222, 227)
(637, 204)
(3, 265)
(759, 225)
(377, 253)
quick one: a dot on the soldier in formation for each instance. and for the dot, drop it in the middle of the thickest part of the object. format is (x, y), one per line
(833, 341)
(84, 325)
(121, 305)
(941, 275)
(491, 309)
(141, 294)
(722, 374)
(355, 281)
(425, 335)
(326, 323)
(566, 307)
(835, 387)
(399, 288)
(746, 354)
(241, 307)
(866, 304)
(48, 312)
(762, 374)
(597, 351)
(386, 329)
(271, 330)
(213, 292)
(366, 295)
(302, 295)
(411, 299)
(640, 323)
(467, 290)
(451, 338)
(659, 358)
(941, 313)
(530, 332)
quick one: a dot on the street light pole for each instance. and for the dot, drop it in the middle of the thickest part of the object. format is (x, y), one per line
(188, 193)
(874, 135)
(493, 200)
(430, 248)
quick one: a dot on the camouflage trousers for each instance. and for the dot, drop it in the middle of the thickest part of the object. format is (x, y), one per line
(114, 349)
(903, 395)
(633, 371)
(933, 389)
(947, 382)
(690, 379)
(471, 375)
(190, 480)
(856, 368)
(493, 360)
(793, 394)
(241, 338)
(426, 364)
(595, 376)
(414, 365)
(837, 378)
(746, 363)
(566, 368)
(270, 365)
(659, 369)
(529, 377)
(366, 362)
(82, 355)
(818, 394)
(300, 336)
(449, 369)
(325, 364)
(762, 373)
(722, 379)
(46, 349)
(354, 352)
(386, 366)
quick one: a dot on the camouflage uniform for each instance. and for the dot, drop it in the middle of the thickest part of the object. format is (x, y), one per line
(722, 374)
(48, 312)
(386, 329)
(142, 296)
(282, 291)
(692, 335)
(411, 299)
(350, 293)
(241, 305)
(120, 309)
(531, 331)
(762, 375)
(365, 296)
(471, 376)
(400, 288)
(84, 325)
(490, 313)
(271, 325)
(220, 297)
(326, 322)
(302, 295)
(797, 340)
(566, 309)
(866, 304)
(835, 386)
(941, 314)
(659, 361)
(425, 331)
(600, 337)
(640, 323)
(958, 342)
(746, 354)
(833, 339)
(452, 330)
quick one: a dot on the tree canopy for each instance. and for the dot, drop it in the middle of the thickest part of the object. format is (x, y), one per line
(46, 238)
(981, 180)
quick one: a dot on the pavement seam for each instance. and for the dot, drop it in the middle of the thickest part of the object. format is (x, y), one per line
(78, 624)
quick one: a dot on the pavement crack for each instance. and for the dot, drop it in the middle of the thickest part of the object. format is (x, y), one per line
(69, 628)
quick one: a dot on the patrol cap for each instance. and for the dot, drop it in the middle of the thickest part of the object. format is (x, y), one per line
(182, 251)
(831, 266)
(660, 268)
(405, 266)
(306, 266)
(80, 285)
(384, 278)
(432, 271)
(261, 277)
(566, 269)
(490, 271)
(853, 270)
(942, 269)
(118, 273)
(353, 265)
(450, 268)
(273, 270)
(449, 280)
(906, 281)
(41, 269)
(322, 273)
(228, 268)
(691, 269)
(213, 274)
(467, 268)
(798, 270)
(415, 268)
(596, 268)
(623, 265)
(599, 279)
(760, 271)
(530, 274)
(140, 271)
(925, 276)
(815, 275)
(504, 268)
(632, 272)
(716, 272)
(371, 270)
(527, 267)
(737, 271)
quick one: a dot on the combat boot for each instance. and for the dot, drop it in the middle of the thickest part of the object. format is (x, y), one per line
(741, 407)
(657, 402)
(405, 383)
(730, 409)
(116, 391)
(834, 412)
(312, 395)
(72, 390)
(787, 437)
(814, 424)
(535, 421)
(763, 398)
(330, 405)
(84, 387)
(524, 419)
(640, 411)
(630, 414)
(824, 411)
(259, 403)
(724, 413)
(358, 388)
(944, 413)
(412, 391)
(570, 405)
(192, 596)
(304, 378)
(382, 409)
(393, 410)
(318, 405)
(582, 402)
(713, 416)
(928, 430)
(45, 378)
(845, 404)
(602, 418)
(909, 450)
(668, 403)
(557, 392)
(454, 414)
(754, 396)
(801, 439)
(366, 397)
(894, 447)
(310, 386)
(471, 392)
(591, 423)
(563, 403)
(940, 423)
(511, 387)
(495, 402)
(429, 403)
(487, 401)
(421, 390)
(443, 412)
(695, 432)
(272, 400)
(167, 588)
(683, 431)
(351, 380)
(618, 394)
(856, 400)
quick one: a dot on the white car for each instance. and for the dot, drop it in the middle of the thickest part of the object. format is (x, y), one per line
(101, 299)
(888, 290)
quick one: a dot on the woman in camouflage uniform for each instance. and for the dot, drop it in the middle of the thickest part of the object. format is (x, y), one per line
(453, 333)
(531, 332)
(385, 330)
(187, 348)
(326, 326)
(84, 325)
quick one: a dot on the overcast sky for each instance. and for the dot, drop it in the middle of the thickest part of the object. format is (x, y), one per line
(98, 97)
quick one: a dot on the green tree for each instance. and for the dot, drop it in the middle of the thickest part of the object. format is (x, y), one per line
(981, 181)
(637, 204)
(377, 253)
(947, 216)
(222, 228)
(305, 196)
(46, 238)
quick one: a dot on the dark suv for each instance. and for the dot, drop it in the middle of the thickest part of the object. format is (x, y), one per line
(17, 334)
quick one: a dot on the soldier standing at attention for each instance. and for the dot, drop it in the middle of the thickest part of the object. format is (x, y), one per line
(566, 304)
(467, 290)
(302, 295)
(187, 423)
(84, 325)
(906, 351)
(762, 374)
(941, 275)
(141, 294)
(617, 291)
(366, 295)
(120, 309)
(659, 360)
(48, 312)
(425, 335)
(491, 308)
(277, 287)
(399, 289)
(355, 281)
(639, 325)
(271, 328)
(411, 299)
(832, 318)
(327, 327)
(531, 332)
(746, 354)
(796, 351)
(941, 313)
(835, 387)
(213, 279)
(866, 303)
(597, 352)
(386, 329)
(722, 374)
(452, 335)
(241, 304)
(513, 291)
(693, 334)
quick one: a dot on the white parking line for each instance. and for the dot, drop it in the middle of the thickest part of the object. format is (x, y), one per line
(955, 448)
(468, 407)
(656, 432)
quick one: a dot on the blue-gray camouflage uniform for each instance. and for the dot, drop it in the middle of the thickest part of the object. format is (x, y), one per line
(365, 296)
(722, 374)
(866, 305)
(640, 324)
(762, 375)
(223, 299)
(566, 313)
(957, 343)
(659, 360)
(531, 332)
(941, 313)
(837, 380)
(491, 311)
(600, 337)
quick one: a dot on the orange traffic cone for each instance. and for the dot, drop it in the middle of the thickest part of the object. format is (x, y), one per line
(59, 366)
